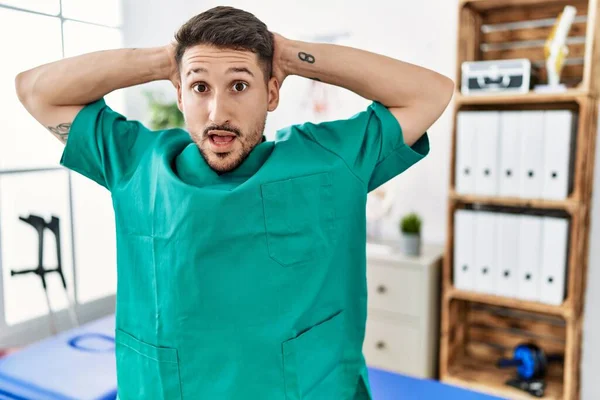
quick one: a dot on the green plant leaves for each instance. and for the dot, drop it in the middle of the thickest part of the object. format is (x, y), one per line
(410, 223)
(164, 115)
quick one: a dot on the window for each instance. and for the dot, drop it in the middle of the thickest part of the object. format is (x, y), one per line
(26, 49)
(102, 12)
(50, 7)
(31, 179)
(39, 193)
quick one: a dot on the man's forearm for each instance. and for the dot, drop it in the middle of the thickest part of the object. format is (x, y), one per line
(393, 83)
(86, 78)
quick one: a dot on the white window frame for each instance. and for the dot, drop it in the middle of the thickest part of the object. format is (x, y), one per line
(35, 329)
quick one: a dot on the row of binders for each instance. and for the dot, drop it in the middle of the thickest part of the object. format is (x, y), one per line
(526, 153)
(514, 255)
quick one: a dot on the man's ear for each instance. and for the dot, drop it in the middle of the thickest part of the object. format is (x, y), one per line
(273, 93)
(179, 101)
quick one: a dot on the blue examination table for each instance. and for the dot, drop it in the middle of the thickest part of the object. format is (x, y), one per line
(80, 365)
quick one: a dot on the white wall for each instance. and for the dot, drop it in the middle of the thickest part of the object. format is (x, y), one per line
(591, 323)
(398, 29)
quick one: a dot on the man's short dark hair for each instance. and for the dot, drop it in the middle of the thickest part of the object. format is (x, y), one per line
(228, 28)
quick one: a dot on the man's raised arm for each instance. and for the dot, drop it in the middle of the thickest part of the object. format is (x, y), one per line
(416, 96)
(54, 93)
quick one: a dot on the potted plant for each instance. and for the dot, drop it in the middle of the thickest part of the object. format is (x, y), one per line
(410, 230)
(164, 114)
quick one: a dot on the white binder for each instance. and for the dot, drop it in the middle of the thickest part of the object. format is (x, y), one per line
(554, 260)
(485, 254)
(464, 230)
(507, 254)
(465, 152)
(531, 154)
(557, 153)
(510, 144)
(487, 144)
(530, 246)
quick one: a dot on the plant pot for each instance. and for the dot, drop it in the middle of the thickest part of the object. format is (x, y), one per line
(410, 243)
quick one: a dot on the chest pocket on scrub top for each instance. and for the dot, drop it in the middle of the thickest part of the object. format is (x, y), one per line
(299, 218)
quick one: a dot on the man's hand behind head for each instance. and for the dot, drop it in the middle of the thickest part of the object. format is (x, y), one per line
(279, 67)
(174, 76)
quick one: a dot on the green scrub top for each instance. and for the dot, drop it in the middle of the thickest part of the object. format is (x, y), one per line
(245, 285)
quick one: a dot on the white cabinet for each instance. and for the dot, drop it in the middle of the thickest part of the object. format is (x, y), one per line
(402, 322)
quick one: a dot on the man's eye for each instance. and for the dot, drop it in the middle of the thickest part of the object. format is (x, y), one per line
(240, 86)
(201, 88)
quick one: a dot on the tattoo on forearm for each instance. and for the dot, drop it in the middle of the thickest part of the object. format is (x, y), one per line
(61, 131)
(309, 58)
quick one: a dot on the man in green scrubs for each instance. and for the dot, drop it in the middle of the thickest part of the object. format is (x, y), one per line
(241, 261)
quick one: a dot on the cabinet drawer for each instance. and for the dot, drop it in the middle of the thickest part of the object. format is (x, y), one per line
(395, 289)
(393, 346)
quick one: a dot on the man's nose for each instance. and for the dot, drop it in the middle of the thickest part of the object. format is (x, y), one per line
(218, 112)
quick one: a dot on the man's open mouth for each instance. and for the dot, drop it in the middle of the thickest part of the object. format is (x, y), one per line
(221, 138)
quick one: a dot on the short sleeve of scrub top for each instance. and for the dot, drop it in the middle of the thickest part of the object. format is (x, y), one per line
(371, 144)
(103, 145)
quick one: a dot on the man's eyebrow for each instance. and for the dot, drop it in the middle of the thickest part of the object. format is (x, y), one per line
(196, 70)
(240, 69)
(230, 70)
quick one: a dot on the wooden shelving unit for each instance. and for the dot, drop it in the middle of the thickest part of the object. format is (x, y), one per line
(569, 205)
(532, 306)
(490, 380)
(477, 328)
(569, 96)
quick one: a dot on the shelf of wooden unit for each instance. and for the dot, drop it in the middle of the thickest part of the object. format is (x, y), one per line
(478, 375)
(569, 96)
(484, 5)
(502, 301)
(568, 205)
(475, 328)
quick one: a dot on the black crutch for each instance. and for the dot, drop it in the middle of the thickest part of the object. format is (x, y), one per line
(54, 227)
(39, 224)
